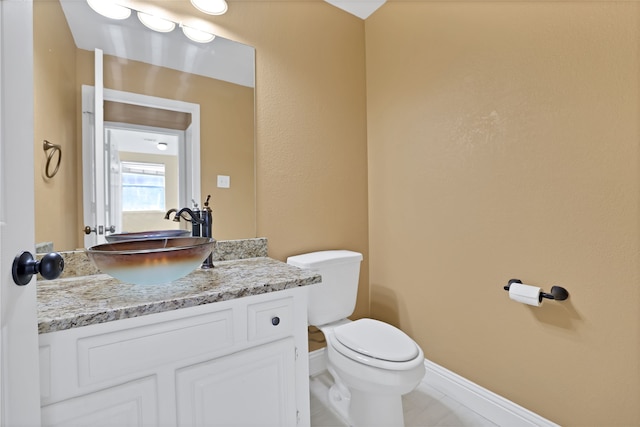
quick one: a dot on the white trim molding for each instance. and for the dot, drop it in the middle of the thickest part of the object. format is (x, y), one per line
(489, 405)
(317, 361)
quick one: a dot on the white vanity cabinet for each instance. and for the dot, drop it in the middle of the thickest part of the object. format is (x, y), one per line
(242, 362)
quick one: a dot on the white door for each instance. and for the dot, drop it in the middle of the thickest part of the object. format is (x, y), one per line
(113, 196)
(93, 157)
(20, 394)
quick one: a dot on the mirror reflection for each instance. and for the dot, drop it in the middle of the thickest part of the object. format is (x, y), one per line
(217, 77)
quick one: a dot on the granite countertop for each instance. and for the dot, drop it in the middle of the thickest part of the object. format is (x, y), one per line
(86, 300)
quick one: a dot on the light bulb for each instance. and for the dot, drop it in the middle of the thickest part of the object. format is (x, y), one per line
(155, 23)
(197, 35)
(109, 9)
(212, 7)
(162, 146)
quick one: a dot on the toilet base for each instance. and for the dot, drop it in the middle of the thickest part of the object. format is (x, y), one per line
(364, 409)
(340, 403)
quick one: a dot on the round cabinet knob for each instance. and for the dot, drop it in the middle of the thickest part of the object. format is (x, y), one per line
(275, 321)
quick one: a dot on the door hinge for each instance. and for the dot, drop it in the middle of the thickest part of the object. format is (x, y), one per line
(297, 417)
(296, 353)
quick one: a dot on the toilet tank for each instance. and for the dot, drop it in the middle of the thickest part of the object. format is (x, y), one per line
(335, 297)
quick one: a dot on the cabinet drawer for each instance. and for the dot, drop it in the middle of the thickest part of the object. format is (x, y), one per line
(121, 353)
(271, 319)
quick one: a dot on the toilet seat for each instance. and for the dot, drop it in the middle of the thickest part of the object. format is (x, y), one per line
(376, 344)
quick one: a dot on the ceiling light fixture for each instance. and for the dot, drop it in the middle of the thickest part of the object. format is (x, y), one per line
(212, 7)
(156, 23)
(197, 35)
(162, 146)
(110, 9)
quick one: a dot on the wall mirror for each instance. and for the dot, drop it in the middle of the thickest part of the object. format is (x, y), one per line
(216, 78)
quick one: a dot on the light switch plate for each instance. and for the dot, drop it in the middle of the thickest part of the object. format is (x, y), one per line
(224, 181)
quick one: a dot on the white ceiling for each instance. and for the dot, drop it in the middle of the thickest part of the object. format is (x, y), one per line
(142, 141)
(132, 140)
(360, 8)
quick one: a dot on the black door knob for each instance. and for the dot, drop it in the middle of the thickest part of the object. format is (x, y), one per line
(275, 321)
(24, 267)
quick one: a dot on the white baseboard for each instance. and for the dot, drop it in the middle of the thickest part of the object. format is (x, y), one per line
(317, 361)
(491, 406)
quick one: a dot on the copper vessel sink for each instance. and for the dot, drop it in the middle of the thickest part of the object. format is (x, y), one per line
(151, 261)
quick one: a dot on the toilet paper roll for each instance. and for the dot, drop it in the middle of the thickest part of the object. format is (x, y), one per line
(525, 294)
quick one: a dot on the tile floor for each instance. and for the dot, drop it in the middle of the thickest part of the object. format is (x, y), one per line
(425, 406)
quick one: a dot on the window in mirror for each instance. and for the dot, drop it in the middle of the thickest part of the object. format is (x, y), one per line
(143, 187)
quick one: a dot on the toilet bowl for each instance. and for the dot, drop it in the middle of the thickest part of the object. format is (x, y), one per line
(373, 363)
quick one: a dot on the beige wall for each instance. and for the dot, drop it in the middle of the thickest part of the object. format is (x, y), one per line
(503, 142)
(311, 126)
(54, 120)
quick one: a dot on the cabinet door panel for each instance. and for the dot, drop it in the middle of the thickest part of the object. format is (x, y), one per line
(255, 387)
(120, 353)
(129, 405)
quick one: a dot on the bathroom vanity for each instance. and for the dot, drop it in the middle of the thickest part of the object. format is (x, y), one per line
(221, 347)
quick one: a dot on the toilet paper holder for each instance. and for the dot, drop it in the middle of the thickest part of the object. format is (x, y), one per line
(557, 292)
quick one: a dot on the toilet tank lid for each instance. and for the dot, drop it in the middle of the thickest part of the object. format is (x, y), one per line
(323, 258)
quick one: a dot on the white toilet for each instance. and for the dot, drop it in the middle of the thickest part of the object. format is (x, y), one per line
(372, 362)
